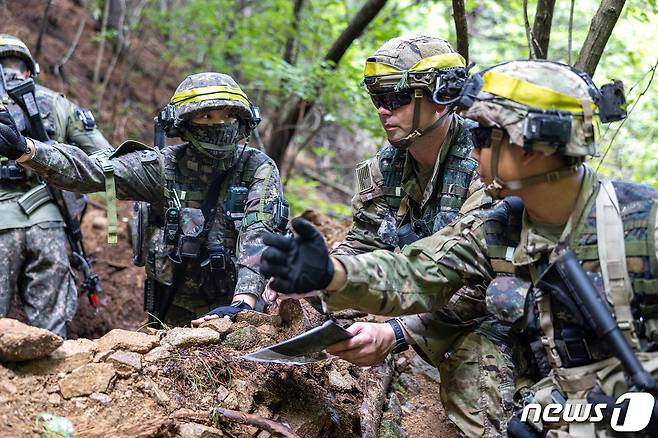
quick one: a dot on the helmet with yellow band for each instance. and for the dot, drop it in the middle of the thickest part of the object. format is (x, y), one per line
(13, 46)
(543, 105)
(416, 62)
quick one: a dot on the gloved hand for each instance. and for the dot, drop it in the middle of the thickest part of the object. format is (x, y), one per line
(298, 264)
(12, 142)
(231, 310)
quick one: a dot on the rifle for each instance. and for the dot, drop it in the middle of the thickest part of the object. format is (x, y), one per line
(24, 96)
(566, 278)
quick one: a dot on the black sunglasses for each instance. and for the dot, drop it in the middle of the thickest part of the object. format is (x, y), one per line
(481, 137)
(391, 100)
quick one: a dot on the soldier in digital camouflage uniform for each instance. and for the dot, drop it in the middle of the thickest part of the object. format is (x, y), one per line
(32, 239)
(538, 123)
(210, 200)
(413, 187)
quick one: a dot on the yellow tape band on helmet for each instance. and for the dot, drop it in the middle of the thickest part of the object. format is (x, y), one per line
(445, 60)
(529, 94)
(201, 94)
(12, 42)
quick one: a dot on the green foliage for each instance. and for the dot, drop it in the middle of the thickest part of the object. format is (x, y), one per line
(302, 193)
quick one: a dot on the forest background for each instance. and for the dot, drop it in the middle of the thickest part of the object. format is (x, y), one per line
(301, 62)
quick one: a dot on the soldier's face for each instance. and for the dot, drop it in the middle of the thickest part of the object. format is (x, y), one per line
(511, 162)
(398, 122)
(214, 117)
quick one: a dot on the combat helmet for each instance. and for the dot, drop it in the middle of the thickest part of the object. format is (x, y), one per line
(540, 105)
(205, 92)
(13, 46)
(418, 63)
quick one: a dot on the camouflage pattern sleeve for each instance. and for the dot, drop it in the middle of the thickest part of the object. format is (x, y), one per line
(137, 173)
(421, 279)
(367, 218)
(262, 201)
(78, 126)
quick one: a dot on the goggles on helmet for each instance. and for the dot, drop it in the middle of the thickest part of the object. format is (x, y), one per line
(391, 100)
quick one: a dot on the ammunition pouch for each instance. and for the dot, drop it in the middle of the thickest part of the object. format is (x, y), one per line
(188, 248)
(10, 171)
(219, 273)
(34, 198)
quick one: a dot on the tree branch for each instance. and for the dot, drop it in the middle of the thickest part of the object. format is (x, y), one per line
(528, 31)
(599, 32)
(569, 45)
(461, 27)
(273, 427)
(541, 28)
(42, 29)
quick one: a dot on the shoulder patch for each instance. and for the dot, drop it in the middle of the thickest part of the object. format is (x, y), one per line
(264, 171)
(366, 184)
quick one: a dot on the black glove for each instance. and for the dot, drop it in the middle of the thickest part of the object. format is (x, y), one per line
(231, 310)
(12, 142)
(297, 264)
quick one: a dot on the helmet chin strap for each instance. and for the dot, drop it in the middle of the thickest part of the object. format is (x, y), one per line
(498, 185)
(417, 132)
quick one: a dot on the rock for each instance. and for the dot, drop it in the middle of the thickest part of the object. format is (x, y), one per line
(182, 337)
(69, 356)
(102, 356)
(394, 408)
(8, 387)
(195, 430)
(241, 396)
(20, 342)
(101, 398)
(408, 408)
(220, 325)
(339, 381)
(119, 339)
(242, 339)
(125, 362)
(54, 399)
(156, 392)
(89, 378)
(158, 353)
(409, 383)
(268, 330)
(221, 393)
(419, 366)
(258, 318)
(291, 311)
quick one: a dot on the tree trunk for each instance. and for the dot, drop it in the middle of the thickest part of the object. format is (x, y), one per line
(599, 32)
(42, 29)
(280, 137)
(289, 50)
(541, 28)
(461, 27)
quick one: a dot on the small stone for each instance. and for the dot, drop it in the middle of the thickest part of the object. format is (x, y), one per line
(80, 402)
(268, 330)
(156, 392)
(241, 396)
(119, 339)
(8, 388)
(258, 318)
(54, 399)
(182, 337)
(127, 394)
(101, 398)
(391, 429)
(408, 408)
(394, 407)
(158, 353)
(102, 356)
(125, 362)
(92, 377)
(291, 311)
(221, 393)
(220, 325)
(409, 383)
(20, 342)
(72, 354)
(195, 430)
(242, 339)
(339, 381)
(99, 223)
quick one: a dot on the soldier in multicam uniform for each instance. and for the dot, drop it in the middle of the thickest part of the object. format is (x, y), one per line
(32, 237)
(412, 188)
(538, 123)
(210, 200)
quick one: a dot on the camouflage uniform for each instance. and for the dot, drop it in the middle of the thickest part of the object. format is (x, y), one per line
(184, 172)
(34, 245)
(392, 195)
(483, 245)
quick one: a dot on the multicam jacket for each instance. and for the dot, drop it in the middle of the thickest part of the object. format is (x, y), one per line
(145, 174)
(478, 246)
(64, 122)
(390, 195)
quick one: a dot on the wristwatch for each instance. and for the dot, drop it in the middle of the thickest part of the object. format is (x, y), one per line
(400, 342)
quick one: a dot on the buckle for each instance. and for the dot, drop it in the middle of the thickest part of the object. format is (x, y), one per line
(577, 351)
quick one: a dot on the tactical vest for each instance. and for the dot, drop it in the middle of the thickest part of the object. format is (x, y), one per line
(575, 343)
(455, 176)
